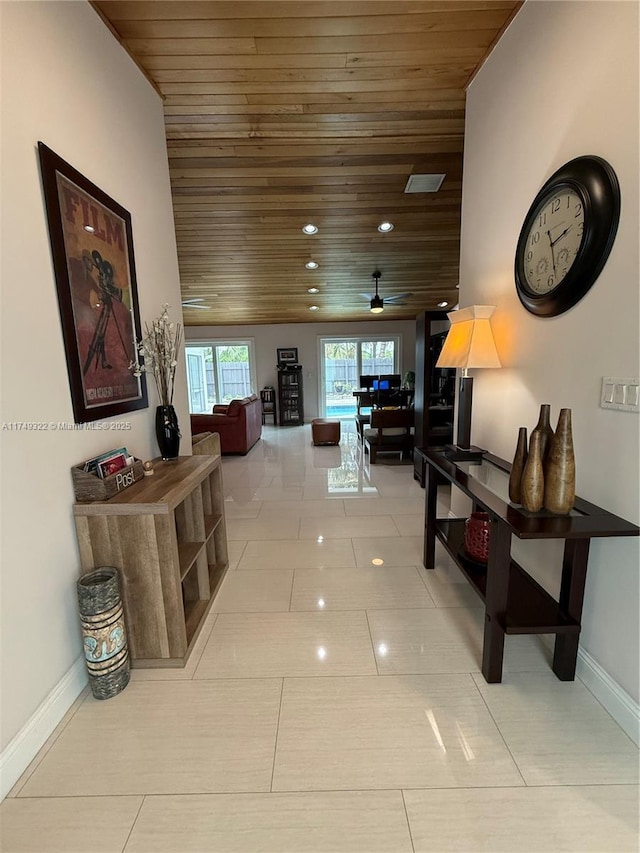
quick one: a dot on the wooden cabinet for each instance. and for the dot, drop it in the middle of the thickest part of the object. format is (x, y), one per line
(434, 389)
(167, 535)
(290, 396)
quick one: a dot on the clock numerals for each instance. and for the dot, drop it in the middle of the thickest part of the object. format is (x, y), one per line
(553, 241)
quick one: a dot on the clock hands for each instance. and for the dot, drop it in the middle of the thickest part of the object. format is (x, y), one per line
(553, 242)
(553, 257)
(560, 236)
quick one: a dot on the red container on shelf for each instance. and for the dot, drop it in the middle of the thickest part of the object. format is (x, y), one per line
(477, 529)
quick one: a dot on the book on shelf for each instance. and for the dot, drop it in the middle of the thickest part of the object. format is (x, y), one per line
(108, 463)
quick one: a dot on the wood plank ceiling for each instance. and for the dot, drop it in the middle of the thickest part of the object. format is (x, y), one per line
(282, 113)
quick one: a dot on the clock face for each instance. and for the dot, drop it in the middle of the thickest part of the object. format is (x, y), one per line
(567, 236)
(553, 240)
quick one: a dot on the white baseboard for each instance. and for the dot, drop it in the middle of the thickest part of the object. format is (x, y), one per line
(23, 748)
(624, 710)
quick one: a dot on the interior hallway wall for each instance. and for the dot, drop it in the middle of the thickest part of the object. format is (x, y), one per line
(562, 82)
(67, 82)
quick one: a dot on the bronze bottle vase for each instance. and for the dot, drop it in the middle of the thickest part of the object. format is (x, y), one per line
(546, 432)
(532, 484)
(560, 470)
(517, 468)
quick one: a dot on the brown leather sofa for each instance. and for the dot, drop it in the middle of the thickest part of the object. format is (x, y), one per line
(239, 424)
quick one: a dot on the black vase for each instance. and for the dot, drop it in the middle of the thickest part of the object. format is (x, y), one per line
(167, 432)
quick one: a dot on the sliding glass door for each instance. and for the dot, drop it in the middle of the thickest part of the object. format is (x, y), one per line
(344, 360)
(219, 372)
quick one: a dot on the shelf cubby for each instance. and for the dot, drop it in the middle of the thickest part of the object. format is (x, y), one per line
(167, 535)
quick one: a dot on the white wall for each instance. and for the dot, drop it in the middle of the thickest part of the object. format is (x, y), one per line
(67, 82)
(305, 337)
(562, 82)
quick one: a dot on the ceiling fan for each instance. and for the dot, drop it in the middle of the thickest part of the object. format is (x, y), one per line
(193, 303)
(377, 302)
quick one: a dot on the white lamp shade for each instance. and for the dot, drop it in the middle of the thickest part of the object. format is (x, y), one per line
(469, 342)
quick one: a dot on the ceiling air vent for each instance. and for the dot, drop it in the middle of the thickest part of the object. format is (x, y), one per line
(424, 183)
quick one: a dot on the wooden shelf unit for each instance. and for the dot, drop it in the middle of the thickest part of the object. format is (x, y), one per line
(268, 400)
(434, 390)
(290, 395)
(167, 535)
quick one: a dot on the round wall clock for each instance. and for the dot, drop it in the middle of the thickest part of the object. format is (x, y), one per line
(567, 236)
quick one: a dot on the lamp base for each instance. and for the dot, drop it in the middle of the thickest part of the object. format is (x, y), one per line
(466, 454)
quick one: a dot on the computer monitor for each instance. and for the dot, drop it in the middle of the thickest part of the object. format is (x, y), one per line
(394, 380)
(367, 381)
(381, 385)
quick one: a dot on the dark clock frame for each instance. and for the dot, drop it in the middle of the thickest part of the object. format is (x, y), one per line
(595, 182)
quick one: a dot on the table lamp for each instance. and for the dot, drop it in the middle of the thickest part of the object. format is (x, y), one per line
(469, 343)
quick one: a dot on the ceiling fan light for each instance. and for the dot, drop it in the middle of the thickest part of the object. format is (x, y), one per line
(385, 227)
(310, 228)
(376, 305)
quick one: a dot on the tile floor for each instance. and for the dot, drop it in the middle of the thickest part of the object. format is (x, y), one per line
(333, 701)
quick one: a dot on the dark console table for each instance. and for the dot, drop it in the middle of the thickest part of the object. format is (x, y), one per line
(515, 603)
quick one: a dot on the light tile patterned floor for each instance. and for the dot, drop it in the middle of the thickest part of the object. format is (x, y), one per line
(333, 701)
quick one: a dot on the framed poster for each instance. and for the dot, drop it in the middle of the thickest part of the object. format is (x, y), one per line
(288, 356)
(92, 248)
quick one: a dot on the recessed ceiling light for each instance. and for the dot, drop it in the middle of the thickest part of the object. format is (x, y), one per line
(443, 304)
(313, 290)
(310, 228)
(313, 307)
(311, 265)
(89, 228)
(385, 227)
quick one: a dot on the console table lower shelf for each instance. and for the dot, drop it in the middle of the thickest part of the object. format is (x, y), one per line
(515, 603)
(530, 608)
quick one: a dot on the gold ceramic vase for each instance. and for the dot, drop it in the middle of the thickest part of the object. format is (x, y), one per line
(532, 485)
(560, 470)
(546, 432)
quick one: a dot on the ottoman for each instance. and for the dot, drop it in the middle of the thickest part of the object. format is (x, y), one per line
(325, 431)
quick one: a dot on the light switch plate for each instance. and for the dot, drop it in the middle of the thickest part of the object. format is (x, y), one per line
(622, 394)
